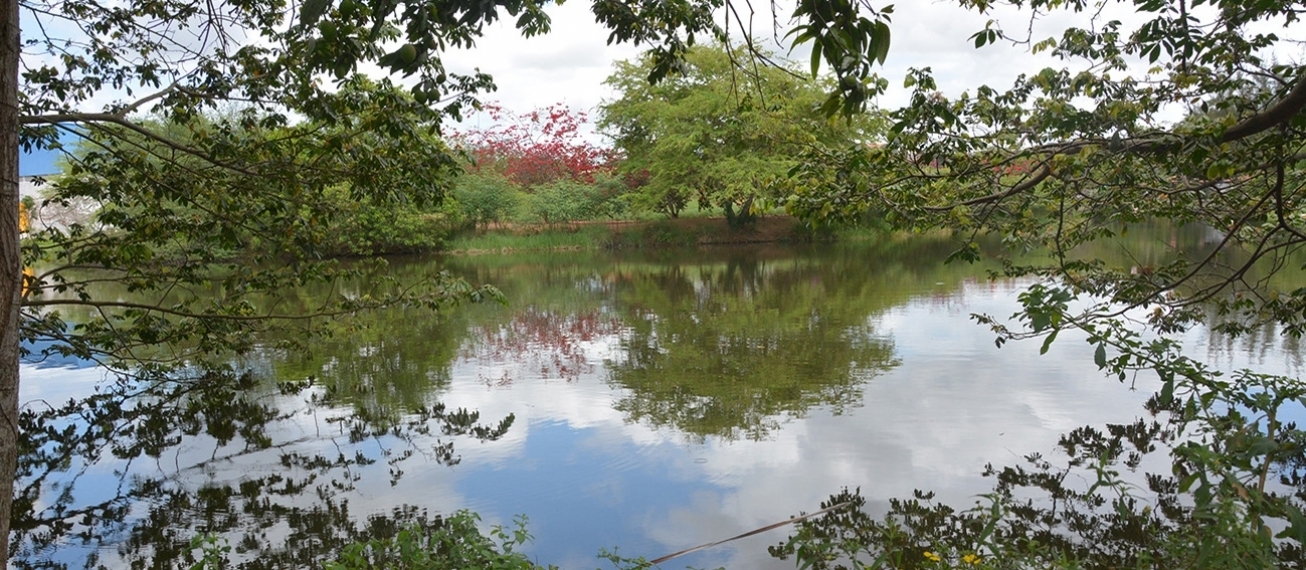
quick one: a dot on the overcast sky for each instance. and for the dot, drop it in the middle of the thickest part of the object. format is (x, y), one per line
(569, 64)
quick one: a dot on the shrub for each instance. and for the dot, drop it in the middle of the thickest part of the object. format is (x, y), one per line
(484, 198)
(363, 227)
(565, 201)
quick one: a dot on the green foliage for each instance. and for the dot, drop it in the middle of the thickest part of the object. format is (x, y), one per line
(566, 201)
(455, 543)
(1023, 162)
(842, 34)
(364, 227)
(716, 133)
(213, 552)
(531, 239)
(241, 208)
(485, 198)
(1232, 496)
(1064, 159)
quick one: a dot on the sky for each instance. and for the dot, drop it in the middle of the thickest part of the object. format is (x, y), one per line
(569, 64)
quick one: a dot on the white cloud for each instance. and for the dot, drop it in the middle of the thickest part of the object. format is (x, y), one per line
(570, 63)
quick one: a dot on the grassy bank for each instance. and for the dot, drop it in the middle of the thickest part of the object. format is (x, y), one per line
(682, 232)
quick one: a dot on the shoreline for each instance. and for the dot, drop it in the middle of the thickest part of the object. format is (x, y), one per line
(634, 234)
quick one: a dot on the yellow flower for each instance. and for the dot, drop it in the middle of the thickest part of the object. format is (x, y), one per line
(971, 558)
(932, 556)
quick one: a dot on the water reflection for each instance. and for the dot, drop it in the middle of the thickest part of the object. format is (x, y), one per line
(661, 400)
(730, 350)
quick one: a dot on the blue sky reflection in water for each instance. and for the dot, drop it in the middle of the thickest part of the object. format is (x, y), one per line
(951, 405)
(907, 393)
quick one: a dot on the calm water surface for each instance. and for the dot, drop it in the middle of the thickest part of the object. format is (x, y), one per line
(667, 399)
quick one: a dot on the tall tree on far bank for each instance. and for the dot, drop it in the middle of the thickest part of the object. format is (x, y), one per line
(721, 130)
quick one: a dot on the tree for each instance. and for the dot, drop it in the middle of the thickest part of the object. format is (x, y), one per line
(240, 204)
(1028, 163)
(1075, 155)
(716, 131)
(486, 198)
(536, 148)
(1023, 161)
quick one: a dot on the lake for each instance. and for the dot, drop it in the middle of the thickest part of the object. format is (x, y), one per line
(659, 400)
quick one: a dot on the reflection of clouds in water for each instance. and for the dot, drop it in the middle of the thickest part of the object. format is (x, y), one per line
(56, 385)
(1265, 349)
(954, 404)
(588, 479)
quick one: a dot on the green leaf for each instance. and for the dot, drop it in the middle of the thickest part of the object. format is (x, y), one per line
(312, 10)
(1047, 343)
(816, 58)
(1263, 446)
(1099, 356)
(882, 42)
(1167, 393)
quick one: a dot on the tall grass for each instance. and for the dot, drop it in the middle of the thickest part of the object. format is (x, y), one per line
(562, 237)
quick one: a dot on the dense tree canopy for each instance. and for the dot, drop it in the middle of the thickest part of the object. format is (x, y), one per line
(717, 131)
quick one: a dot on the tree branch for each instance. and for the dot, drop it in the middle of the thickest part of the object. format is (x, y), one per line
(185, 314)
(1280, 112)
(1039, 176)
(118, 119)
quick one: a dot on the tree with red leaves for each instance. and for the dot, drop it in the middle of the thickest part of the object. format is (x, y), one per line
(536, 148)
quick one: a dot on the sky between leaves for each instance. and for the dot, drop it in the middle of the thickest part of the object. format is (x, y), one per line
(569, 64)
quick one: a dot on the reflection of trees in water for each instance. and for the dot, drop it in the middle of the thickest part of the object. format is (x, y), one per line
(1266, 346)
(387, 363)
(713, 343)
(151, 460)
(550, 342)
(128, 466)
(730, 350)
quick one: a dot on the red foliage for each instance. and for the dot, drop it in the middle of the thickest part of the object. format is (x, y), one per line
(542, 146)
(551, 343)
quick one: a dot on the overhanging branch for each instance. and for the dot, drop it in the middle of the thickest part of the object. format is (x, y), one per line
(120, 120)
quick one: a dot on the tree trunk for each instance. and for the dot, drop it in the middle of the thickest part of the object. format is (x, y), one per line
(11, 268)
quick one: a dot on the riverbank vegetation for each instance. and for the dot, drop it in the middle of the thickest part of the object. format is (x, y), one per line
(215, 220)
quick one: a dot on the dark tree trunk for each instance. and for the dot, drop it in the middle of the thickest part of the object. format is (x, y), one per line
(11, 268)
(744, 218)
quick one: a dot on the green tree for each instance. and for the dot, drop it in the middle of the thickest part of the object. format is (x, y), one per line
(240, 206)
(719, 130)
(1058, 159)
(1070, 156)
(1065, 157)
(486, 197)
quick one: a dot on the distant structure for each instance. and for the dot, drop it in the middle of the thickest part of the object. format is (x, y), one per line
(33, 165)
(27, 187)
(42, 164)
